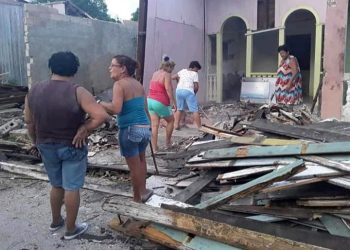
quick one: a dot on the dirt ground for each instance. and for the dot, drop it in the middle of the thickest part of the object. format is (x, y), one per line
(25, 216)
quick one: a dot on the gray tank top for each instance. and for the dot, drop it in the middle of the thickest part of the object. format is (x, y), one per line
(56, 111)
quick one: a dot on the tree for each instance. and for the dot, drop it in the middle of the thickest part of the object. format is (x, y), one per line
(135, 15)
(95, 8)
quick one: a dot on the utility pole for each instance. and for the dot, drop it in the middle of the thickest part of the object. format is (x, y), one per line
(141, 39)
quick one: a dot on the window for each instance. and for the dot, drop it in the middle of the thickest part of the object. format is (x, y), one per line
(266, 14)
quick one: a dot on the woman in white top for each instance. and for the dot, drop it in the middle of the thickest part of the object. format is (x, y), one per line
(186, 91)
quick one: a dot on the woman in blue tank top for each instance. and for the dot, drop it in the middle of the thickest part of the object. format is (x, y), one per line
(129, 102)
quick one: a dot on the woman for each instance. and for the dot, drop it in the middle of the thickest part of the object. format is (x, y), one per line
(160, 99)
(130, 104)
(288, 85)
(186, 91)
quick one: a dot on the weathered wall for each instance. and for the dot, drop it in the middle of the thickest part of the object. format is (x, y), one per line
(175, 28)
(219, 11)
(284, 8)
(94, 42)
(12, 67)
(334, 56)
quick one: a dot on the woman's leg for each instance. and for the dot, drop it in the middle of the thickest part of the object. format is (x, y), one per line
(169, 129)
(138, 178)
(155, 126)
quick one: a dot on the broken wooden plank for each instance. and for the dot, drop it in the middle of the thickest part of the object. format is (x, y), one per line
(265, 218)
(280, 231)
(234, 235)
(283, 185)
(197, 186)
(336, 226)
(299, 132)
(324, 203)
(166, 236)
(343, 182)
(316, 171)
(328, 163)
(245, 172)
(200, 162)
(212, 144)
(261, 151)
(217, 131)
(263, 140)
(284, 212)
(255, 185)
(100, 185)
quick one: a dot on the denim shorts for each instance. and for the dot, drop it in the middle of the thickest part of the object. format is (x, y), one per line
(65, 165)
(134, 140)
(187, 98)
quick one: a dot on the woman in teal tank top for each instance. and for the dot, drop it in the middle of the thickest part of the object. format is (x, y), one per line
(129, 102)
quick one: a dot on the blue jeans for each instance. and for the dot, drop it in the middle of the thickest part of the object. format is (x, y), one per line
(65, 165)
(134, 140)
(187, 98)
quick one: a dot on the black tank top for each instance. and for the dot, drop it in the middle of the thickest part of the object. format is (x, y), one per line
(56, 112)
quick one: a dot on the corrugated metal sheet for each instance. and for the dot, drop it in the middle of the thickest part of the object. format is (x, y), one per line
(12, 57)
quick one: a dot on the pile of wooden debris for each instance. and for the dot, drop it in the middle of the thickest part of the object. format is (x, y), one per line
(263, 177)
(258, 185)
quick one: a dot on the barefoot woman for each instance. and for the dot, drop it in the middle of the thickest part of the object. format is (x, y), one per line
(130, 104)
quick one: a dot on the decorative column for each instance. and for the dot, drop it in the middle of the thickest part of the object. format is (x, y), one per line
(219, 52)
(317, 60)
(249, 53)
(281, 41)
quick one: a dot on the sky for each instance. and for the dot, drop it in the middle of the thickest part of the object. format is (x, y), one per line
(122, 8)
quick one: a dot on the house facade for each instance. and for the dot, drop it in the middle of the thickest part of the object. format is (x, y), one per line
(239, 38)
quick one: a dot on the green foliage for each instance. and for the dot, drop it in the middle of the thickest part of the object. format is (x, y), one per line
(95, 8)
(135, 15)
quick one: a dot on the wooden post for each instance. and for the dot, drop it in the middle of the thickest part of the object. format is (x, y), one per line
(141, 39)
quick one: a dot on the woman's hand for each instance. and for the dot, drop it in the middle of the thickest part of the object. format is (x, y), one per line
(175, 107)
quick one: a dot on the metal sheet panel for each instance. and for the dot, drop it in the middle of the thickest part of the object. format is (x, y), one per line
(12, 57)
(258, 90)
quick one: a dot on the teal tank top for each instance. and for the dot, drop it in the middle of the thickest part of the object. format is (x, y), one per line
(133, 113)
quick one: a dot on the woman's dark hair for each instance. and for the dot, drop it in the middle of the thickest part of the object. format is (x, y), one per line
(195, 64)
(64, 63)
(283, 47)
(130, 64)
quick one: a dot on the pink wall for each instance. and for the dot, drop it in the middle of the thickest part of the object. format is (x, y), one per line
(219, 11)
(283, 7)
(334, 56)
(175, 28)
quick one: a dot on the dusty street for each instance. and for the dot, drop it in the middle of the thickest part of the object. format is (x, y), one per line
(25, 217)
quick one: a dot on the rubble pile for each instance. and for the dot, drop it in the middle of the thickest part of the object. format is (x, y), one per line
(262, 177)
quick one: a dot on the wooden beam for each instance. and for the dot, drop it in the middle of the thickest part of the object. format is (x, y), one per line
(284, 212)
(36, 172)
(291, 184)
(166, 236)
(245, 172)
(299, 132)
(343, 182)
(254, 185)
(324, 203)
(198, 161)
(263, 140)
(261, 151)
(206, 227)
(328, 163)
(197, 186)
